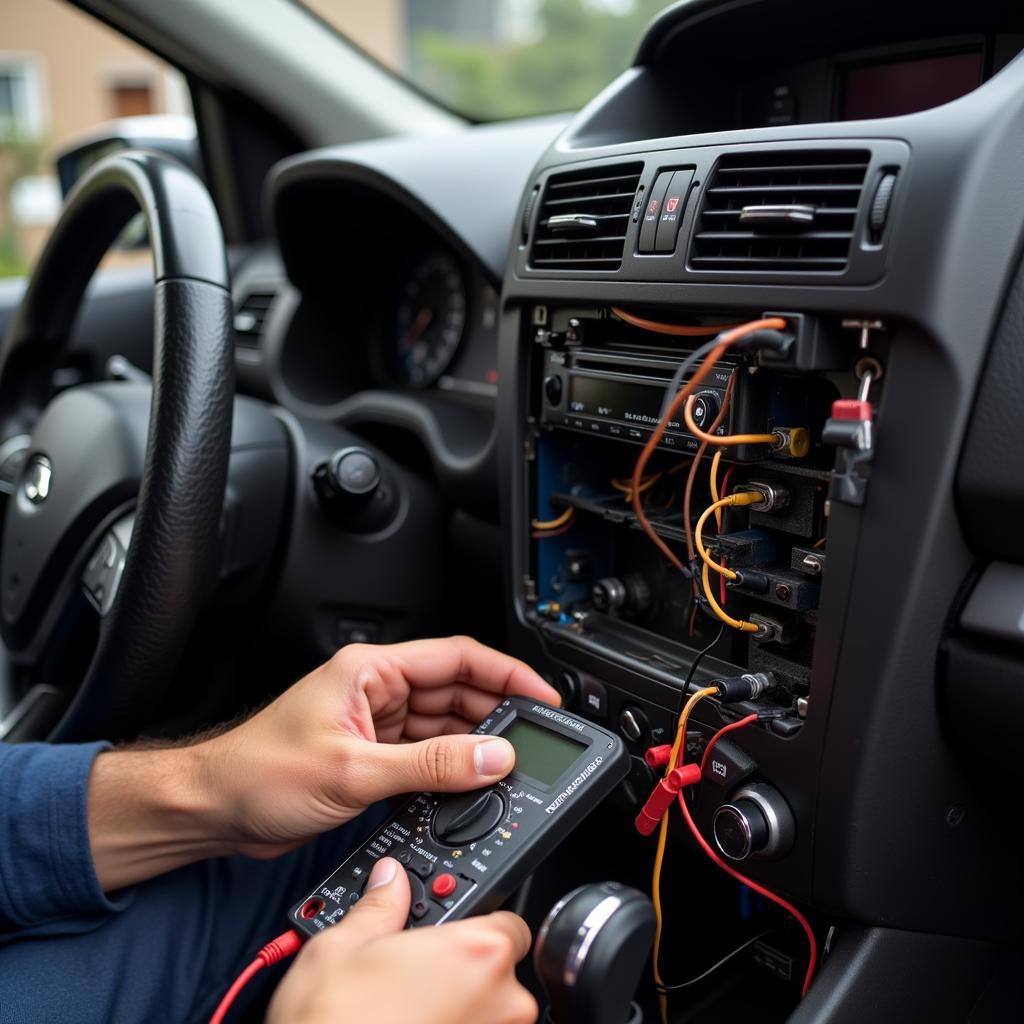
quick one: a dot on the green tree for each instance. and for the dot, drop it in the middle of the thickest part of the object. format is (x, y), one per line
(581, 46)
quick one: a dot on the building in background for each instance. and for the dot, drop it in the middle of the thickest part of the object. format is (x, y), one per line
(63, 73)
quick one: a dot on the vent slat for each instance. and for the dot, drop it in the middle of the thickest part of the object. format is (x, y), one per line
(604, 194)
(748, 236)
(831, 181)
(598, 198)
(251, 317)
(591, 239)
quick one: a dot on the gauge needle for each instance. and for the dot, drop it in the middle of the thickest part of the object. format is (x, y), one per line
(416, 328)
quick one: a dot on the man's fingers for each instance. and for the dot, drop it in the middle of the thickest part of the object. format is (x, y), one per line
(442, 764)
(422, 727)
(458, 698)
(514, 927)
(382, 910)
(430, 663)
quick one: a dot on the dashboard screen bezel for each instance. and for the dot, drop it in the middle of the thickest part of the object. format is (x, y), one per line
(843, 64)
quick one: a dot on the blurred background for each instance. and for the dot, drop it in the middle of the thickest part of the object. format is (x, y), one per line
(63, 74)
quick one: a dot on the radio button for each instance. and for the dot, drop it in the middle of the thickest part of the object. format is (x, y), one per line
(553, 389)
(705, 409)
(672, 209)
(652, 212)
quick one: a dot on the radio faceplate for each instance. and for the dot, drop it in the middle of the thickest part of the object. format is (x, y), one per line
(619, 394)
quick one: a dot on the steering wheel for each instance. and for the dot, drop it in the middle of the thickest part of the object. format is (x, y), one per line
(116, 501)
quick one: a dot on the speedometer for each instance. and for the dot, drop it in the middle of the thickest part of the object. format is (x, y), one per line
(430, 320)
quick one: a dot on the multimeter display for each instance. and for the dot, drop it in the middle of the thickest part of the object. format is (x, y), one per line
(540, 753)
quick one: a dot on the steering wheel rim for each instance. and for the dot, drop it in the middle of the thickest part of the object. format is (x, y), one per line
(174, 541)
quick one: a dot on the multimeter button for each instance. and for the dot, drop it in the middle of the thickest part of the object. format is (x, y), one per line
(423, 867)
(418, 905)
(444, 885)
(467, 817)
(405, 857)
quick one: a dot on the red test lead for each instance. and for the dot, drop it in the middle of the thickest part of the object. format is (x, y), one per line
(664, 793)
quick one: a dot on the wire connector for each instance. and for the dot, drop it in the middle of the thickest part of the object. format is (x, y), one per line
(659, 756)
(664, 793)
(748, 686)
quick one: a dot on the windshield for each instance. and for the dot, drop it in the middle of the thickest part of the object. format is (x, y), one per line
(492, 59)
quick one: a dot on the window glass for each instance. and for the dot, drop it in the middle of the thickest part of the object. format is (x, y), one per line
(498, 58)
(63, 75)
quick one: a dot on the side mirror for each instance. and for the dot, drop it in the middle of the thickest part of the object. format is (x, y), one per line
(172, 135)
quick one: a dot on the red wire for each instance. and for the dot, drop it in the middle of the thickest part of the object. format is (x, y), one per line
(724, 489)
(274, 951)
(721, 732)
(812, 942)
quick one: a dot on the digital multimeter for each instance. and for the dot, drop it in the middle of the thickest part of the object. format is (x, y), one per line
(466, 853)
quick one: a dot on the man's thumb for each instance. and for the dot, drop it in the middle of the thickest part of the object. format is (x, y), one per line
(444, 764)
(382, 910)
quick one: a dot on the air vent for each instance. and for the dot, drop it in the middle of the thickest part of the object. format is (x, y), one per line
(793, 210)
(251, 316)
(582, 220)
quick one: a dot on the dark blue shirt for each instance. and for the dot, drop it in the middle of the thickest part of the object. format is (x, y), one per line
(164, 951)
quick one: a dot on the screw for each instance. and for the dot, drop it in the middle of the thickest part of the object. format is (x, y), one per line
(782, 591)
(955, 815)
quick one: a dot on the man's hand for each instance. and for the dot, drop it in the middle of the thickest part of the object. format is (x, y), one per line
(372, 722)
(367, 969)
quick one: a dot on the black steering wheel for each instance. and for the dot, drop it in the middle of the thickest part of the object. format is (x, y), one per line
(116, 502)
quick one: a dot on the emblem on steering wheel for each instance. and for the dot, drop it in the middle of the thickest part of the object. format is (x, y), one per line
(35, 484)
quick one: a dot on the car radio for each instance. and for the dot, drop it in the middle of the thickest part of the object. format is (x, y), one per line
(619, 393)
(466, 853)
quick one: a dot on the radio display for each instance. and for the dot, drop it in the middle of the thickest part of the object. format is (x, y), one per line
(618, 400)
(541, 753)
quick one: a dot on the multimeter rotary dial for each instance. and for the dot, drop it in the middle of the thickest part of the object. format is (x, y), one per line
(466, 817)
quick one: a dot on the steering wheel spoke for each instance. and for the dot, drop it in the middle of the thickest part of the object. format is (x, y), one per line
(102, 574)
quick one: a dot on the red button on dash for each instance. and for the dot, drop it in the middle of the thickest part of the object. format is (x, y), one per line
(444, 885)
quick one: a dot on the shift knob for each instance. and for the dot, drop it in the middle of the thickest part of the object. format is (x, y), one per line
(590, 951)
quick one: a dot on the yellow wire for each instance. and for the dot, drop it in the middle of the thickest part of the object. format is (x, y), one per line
(731, 500)
(659, 856)
(741, 624)
(626, 486)
(714, 486)
(553, 524)
(728, 439)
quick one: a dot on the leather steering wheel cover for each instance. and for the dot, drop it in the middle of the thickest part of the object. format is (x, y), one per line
(172, 557)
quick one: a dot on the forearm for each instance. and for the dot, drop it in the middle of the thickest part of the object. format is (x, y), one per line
(150, 811)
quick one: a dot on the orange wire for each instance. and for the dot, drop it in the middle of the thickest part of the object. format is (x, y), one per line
(728, 339)
(692, 476)
(731, 439)
(676, 330)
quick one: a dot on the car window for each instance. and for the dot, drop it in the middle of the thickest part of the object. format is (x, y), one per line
(63, 75)
(493, 59)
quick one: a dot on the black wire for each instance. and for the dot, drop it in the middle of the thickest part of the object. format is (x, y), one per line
(714, 967)
(698, 658)
(681, 370)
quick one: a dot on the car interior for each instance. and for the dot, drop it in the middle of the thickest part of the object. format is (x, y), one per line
(717, 378)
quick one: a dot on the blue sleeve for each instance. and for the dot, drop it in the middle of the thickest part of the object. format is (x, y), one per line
(46, 868)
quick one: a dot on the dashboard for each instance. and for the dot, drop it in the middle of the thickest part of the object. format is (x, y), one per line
(520, 303)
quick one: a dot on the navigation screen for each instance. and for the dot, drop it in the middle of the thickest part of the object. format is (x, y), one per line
(903, 87)
(541, 753)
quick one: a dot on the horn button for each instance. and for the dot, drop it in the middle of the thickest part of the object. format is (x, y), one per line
(84, 464)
